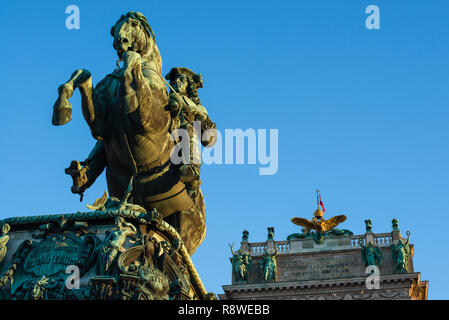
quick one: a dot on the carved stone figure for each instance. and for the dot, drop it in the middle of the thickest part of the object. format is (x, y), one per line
(113, 243)
(145, 259)
(269, 266)
(149, 271)
(368, 225)
(395, 224)
(241, 264)
(154, 284)
(153, 252)
(4, 238)
(173, 252)
(400, 252)
(270, 233)
(371, 254)
(245, 236)
(127, 115)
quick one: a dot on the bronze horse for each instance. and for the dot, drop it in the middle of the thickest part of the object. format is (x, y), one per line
(127, 116)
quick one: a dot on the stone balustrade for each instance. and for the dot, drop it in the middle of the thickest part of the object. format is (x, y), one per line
(257, 248)
(383, 239)
(285, 246)
(282, 246)
(355, 240)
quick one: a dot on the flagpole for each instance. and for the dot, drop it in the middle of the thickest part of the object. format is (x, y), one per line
(317, 199)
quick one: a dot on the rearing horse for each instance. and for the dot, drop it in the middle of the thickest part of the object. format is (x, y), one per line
(126, 115)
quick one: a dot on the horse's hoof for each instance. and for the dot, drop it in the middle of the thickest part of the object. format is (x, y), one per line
(66, 90)
(62, 112)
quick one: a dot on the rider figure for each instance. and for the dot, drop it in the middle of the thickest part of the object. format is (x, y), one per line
(186, 109)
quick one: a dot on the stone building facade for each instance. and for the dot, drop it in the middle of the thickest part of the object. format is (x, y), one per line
(332, 270)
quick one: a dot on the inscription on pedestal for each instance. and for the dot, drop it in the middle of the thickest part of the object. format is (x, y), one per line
(315, 268)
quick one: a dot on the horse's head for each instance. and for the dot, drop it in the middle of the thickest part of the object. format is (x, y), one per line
(132, 32)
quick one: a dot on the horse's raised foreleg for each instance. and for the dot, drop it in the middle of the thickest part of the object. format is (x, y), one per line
(139, 93)
(92, 107)
(129, 94)
(62, 109)
(84, 176)
(135, 88)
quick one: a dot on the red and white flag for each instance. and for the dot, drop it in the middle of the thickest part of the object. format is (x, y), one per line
(320, 201)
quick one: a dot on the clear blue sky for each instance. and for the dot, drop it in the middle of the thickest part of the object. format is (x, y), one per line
(362, 114)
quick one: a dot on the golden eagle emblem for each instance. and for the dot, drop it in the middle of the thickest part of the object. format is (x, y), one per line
(318, 223)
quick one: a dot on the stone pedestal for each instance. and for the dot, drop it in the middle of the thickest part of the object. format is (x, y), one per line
(244, 246)
(396, 235)
(369, 237)
(270, 247)
(110, 254)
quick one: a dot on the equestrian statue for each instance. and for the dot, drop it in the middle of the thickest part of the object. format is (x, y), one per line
(132, 116)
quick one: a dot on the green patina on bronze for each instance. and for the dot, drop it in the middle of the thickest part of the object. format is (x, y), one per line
(400, 252)
(270, 235)
(318, 236)
(245, 235)
(154, 217)
(268, 265)
(38, 267)
(45, 262)
(132, 115)
(371, 254)
(190, 115)
(161, 269)
(305, 234)
(241, 264)
(395, 224)
(368, 225)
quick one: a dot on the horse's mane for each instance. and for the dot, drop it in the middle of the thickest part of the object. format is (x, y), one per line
(141, 18)
(154, 57)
